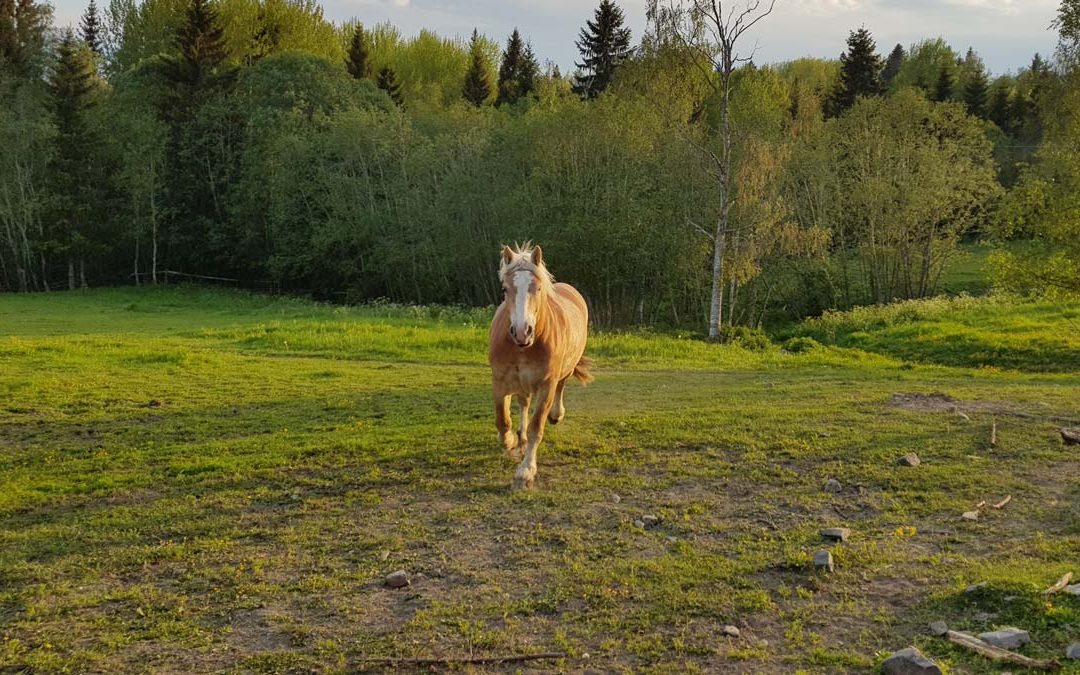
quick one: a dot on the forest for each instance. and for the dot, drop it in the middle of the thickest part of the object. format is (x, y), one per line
(257, 143)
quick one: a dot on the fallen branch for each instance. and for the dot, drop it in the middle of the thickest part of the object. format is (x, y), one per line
(981, 504)
(1003, 502)
(997, 654)
(1070, 436)
(993, 435)
(452, 660)
(1061, 583)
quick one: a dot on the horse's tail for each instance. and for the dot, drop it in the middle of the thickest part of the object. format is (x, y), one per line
(582, 371)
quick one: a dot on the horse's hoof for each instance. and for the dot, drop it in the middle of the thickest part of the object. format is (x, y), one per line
(509, 441)
(555, 420)
(516, 453)
(523, 483)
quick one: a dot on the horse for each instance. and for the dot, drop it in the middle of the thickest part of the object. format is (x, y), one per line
(537, 342)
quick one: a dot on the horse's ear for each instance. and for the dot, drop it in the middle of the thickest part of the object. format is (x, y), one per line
(507, 255)
(538, 256)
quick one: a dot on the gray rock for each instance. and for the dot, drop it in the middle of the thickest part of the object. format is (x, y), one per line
(639, 523)
(1073, 589)
(616, 498)
(909, 661)
(650, 521)
(939, 628)
(823, 561)
(731, 631)
(970, 515)
(910, 459)
(836, 533)
(824, 434)
(384, 555)
(984, 617)
(1073, 651)
(833, 486)
(398, 579)
(975, 587)
(1070, 436)
(1006, 638)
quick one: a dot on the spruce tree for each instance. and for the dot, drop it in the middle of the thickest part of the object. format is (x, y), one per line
(860, 72)
(893, 64)
(90, 28)
(72, 188)
(943, 90)
(977, 89)
(358, 60)
(604, 43)
(517, 72)
(999, 108)
(477, 87)
(23, 24)
(387, 81)
(201, 43)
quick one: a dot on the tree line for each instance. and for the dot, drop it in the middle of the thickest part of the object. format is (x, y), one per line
(674, 181)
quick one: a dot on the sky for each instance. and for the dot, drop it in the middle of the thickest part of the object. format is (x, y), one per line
(1006, 33)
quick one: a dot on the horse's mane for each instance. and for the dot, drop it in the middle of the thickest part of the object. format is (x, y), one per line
(522, 262)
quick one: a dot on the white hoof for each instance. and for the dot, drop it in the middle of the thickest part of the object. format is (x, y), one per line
(525, 478)
(509, 441)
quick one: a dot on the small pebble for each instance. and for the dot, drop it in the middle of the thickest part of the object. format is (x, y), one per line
(1074, 589)
(650, 521)
(398, 579)
(731, 631)
(823, 561)
(384, 555)
(939, 628)
(833, 486)
(1073, 651)
(974, 587)
(616, 498)
(970, 515)
(910, 459)
(639, 523)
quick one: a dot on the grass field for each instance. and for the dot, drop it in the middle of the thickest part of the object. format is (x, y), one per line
(197, 481)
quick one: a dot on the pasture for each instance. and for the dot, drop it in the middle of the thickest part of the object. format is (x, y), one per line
(195, 481)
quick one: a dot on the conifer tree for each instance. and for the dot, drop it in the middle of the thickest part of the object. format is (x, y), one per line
(517, 72)
(477, 87)
(977, 88)
(999, 108)
(943, 90)
(23, 24)
(72, 197)
(893, 64)
(90, 28)
(860, 72)
(604, 43)
(387, 81)
(358, 60)
(201, 43)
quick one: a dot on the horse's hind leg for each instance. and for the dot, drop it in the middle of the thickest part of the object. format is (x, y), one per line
(558, 411)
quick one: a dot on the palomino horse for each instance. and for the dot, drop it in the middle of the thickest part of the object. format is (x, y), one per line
(537, 342)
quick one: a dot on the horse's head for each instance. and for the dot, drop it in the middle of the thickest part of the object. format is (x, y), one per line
(526, 283)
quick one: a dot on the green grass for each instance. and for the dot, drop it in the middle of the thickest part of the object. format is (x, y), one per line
(208, 481)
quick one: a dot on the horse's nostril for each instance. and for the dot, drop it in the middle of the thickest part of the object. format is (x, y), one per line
(528, 331)
(513, 331)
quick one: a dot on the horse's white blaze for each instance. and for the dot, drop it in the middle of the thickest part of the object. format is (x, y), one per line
(522, 281)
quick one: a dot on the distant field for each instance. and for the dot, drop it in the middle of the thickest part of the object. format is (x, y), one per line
(209, 481)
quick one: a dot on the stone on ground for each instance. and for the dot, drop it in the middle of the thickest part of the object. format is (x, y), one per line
(823, 561)
(939, 628)
(836, 533)
(1073, 651)
(910, 459)
(833, 486)
(1006, 638)
(909, 661)
(970, 515)
(398, 579)
(731, 631)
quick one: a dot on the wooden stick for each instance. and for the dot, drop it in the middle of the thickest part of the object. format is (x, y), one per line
(997, 654)
(1003, 502)
(980, 504)
(507, 658)
(1061, 583)
(993, 434)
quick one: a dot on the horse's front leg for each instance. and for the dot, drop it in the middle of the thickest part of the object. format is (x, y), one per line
(502, 419)
(526, 471)
(523, 422)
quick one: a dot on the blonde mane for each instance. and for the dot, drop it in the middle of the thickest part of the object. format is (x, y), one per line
(521, 261)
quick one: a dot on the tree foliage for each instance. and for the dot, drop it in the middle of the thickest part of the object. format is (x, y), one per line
(860, 72)
(604, 44)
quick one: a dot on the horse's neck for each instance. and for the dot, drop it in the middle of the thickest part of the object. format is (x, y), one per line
(547, 307)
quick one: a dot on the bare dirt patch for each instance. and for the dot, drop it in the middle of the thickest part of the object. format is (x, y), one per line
(940, 402)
